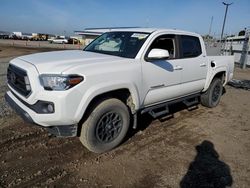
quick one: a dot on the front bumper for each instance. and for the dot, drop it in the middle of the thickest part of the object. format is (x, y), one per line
(26, 117)
(59, 131)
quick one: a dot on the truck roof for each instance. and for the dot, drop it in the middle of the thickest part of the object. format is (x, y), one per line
(99, 31)
(157, 30)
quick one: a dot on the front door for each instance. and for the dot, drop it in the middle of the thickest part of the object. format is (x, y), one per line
(162, 78)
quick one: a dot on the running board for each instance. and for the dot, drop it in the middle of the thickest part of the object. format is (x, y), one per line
(159, 111)
(191, 102)
(163, 108)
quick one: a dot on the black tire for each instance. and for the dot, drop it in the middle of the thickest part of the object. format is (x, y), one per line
(106, 126)
(211, 97)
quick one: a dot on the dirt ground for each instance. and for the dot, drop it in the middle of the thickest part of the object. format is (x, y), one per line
(203, 147)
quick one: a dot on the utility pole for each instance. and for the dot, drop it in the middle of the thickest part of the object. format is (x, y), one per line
(209, 39)
(225, 17)
(210, 27)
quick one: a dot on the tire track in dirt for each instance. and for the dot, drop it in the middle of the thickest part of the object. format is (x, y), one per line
(29, 156)
(41, 178)
(20, 139)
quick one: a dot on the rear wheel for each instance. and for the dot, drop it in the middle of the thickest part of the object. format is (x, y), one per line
(106, 126)
(211, 97)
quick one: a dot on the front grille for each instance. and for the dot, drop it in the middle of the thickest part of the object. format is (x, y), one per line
(18, 80)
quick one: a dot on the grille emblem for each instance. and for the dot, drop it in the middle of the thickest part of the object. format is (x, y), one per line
(13, 77)
(18, 80)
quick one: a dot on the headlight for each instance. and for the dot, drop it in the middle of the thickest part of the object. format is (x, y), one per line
(59, 82)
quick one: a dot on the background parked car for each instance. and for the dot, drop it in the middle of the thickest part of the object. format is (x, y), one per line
(59, 40)
(73, 41)
(4, 36)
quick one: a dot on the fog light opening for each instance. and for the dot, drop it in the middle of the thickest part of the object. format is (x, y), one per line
(50, 108)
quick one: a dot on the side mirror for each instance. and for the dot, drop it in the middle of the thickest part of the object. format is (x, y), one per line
(158, 54)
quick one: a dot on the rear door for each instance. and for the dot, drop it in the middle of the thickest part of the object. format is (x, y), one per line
(193, 63)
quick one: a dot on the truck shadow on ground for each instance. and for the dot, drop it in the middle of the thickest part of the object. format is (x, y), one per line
(207, 170)
(145, 120)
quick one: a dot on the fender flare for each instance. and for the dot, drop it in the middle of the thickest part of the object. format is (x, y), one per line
(102, 88)
(212, 74)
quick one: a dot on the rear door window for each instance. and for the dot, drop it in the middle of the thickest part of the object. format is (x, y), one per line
(190, 46)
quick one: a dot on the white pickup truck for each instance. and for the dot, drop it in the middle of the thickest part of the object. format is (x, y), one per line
(96, 93)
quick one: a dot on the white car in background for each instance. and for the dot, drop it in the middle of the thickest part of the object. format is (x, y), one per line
(59, 40)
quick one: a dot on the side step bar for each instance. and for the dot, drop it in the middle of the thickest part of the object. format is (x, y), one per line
(159, 111)
(191, 102)
(163, 108)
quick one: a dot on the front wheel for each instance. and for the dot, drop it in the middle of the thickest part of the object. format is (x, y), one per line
(211, 97)
(106, 126)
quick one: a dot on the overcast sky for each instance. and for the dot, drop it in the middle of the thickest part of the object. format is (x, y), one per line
(66, 16)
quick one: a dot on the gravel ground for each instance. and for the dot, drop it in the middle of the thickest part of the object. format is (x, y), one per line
(4, 108)
(203, 147)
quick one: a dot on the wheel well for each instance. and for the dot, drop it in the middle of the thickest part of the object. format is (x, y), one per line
(221, 75)
(121, 94)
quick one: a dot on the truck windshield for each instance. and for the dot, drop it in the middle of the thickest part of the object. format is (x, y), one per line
(123, 44)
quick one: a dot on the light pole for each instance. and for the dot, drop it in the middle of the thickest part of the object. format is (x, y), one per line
(225, 17)
(210, 27)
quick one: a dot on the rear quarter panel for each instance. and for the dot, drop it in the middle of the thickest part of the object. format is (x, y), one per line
(222, 64)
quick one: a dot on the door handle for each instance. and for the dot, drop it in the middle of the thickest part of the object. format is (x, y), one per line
(178, 68)
(203, 65)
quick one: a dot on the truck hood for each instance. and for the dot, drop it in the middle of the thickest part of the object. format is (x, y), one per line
(59, 61)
